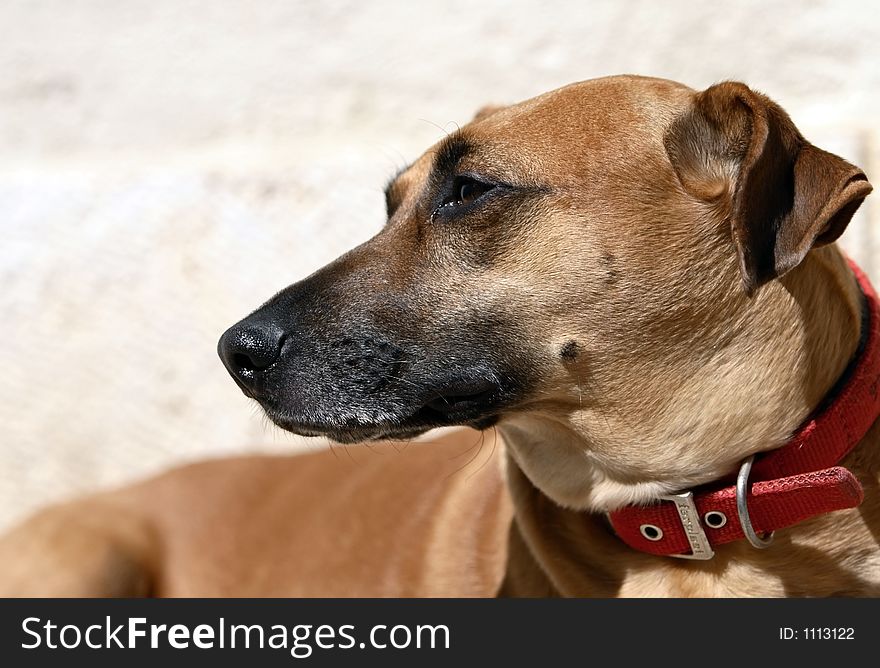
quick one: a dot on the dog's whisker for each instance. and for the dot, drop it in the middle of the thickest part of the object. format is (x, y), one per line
(347, 452)
(441, 128)
(472, 459)
(467, 450)
(491, 454)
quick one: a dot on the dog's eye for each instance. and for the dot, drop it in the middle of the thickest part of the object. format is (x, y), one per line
(466, 189)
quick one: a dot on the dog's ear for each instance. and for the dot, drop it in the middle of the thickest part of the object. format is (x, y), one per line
(486, 111)
(783, 195)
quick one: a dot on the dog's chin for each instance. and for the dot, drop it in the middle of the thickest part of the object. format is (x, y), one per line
(392, 429)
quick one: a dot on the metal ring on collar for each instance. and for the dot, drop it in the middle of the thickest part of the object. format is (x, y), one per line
(742, 509)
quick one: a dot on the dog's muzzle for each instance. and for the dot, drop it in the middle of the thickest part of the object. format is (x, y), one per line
(353, 355)
(354, 385)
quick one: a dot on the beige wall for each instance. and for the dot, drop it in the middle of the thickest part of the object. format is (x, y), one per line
(166, 166)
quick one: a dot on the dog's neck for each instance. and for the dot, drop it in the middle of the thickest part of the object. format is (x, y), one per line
(556, 548)
(701, 415)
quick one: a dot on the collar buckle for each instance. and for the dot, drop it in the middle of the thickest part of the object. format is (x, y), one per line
(701, 549)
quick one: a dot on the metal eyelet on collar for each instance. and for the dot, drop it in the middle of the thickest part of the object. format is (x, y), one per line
(651, 532)
(715, 519)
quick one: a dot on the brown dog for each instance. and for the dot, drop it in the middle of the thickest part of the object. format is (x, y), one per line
(623, 277)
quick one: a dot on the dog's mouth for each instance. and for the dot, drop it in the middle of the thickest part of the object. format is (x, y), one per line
(472, 403)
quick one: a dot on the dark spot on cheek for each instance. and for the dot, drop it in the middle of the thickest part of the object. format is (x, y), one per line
(609, 262)
(569, 351)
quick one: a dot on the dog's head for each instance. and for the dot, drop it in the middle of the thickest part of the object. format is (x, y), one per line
(548, 258)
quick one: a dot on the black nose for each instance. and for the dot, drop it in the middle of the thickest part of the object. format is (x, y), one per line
(248, 348)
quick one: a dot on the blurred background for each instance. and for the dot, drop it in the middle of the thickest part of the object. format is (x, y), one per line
(166, 166)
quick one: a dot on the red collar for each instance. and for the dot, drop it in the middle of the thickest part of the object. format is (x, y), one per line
(788, 485)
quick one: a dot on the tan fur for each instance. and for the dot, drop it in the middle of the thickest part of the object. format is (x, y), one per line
(679, 375)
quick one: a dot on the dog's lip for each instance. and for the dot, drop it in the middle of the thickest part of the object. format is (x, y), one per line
(462, 396)
(465, 411)
(472, 400)
(349, 434)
